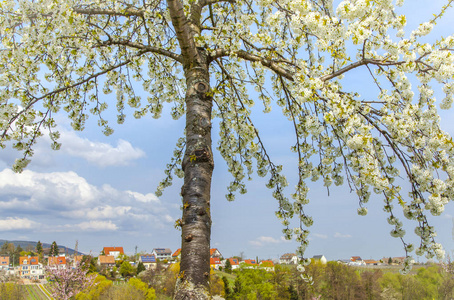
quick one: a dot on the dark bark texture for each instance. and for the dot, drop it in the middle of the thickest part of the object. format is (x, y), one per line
(193, 280)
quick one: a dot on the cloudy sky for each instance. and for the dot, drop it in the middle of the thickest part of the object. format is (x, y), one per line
(100, 191)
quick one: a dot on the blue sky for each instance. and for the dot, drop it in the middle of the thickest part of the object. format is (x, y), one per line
(99, 190)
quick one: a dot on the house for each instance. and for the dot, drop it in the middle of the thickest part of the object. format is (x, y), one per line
(385, 260)
(398, 260)
(356, 261)
(344, 261)
(162, 253)
(214, 252)
(355, 258)
(215, 263)
(177, 254)
(113, 251)
(289, 259)
(250, 262)
(268, 265)
(77, 260)
(234, 262)
(30, 268)
(4, 262)
(320, 258)
(147, 260)
(106, 261)
(58, 262)
(371, 262)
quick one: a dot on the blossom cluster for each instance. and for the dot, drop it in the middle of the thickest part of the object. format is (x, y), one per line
(69, 281)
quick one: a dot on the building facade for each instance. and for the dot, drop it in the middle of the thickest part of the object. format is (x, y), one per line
(30, 268)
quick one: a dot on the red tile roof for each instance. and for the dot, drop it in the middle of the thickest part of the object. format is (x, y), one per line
(177, 252)
(107, 250)
(214, 261)
(370, 261)
(267, 263)
(59, 260)
(234, 261)
(250, 261)
(31, 260)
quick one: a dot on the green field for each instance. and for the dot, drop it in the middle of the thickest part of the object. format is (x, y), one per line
(34, 292)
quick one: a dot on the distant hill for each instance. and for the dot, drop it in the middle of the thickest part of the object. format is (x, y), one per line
(25, 244)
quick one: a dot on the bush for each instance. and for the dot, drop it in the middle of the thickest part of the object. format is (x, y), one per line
(11, 291)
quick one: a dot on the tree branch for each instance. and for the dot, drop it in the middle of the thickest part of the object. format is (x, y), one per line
(144, 48)
(362, 62)
(62, 89)
(272, 65)
(208, 2)
(109, 12)
(183, 32)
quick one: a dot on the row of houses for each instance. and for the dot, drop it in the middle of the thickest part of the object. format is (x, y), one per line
(109, 255)
(162, 254)
(292, 258)
(30, 267)
(358, 261)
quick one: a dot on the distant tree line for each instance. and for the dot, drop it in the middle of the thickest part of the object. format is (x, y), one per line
(14, 253)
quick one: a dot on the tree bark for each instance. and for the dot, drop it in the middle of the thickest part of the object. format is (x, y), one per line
(193, 280)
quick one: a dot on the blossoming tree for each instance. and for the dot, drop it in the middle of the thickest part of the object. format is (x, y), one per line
(68, 282)
(204, 57)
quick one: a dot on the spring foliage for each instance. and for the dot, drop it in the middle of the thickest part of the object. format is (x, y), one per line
(64, 56)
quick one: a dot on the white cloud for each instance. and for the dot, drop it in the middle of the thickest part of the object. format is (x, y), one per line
(262, 240)
(99, 212)
(59, 189)
(100, 154)
(320, 236)
(98, 225)
(59, 198)
(339, 235)
(256, 243)
(268, 239)
(16, 224)
(168, 219)
(97, 153)
(83, 226)
(144, 198)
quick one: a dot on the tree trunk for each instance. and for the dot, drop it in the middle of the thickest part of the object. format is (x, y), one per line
(193, 280)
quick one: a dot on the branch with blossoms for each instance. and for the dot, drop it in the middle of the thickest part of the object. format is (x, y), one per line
(69, 282)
